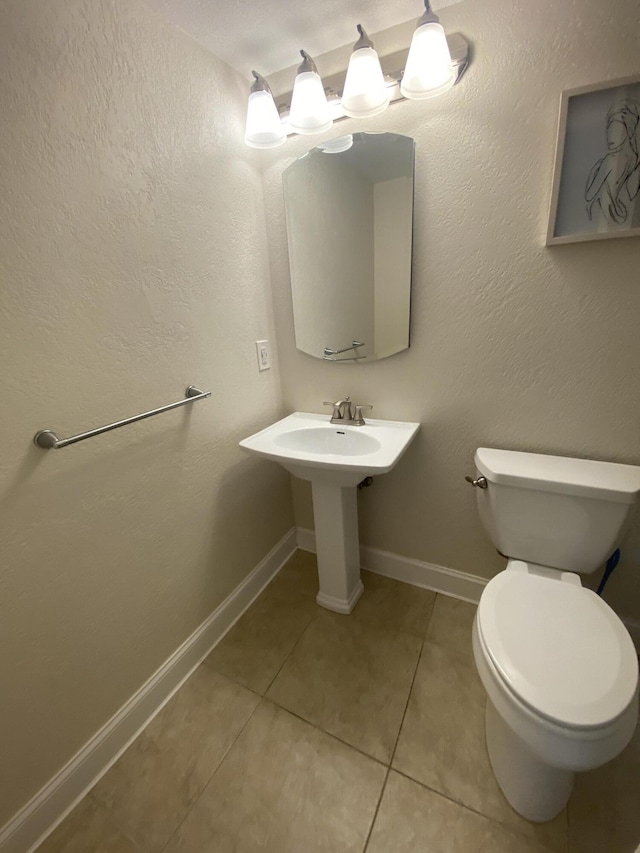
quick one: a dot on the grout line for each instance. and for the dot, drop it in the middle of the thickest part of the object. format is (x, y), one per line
(544, 847)
(431, 611)
(291, 651)
(413, 680)
(393, 752)
(312, 619)
(217, 767)
(406, 706)
(404, 714)
(325, 732)
(514, 829)
(331, 734)
(261, 698)
(377, 809)
(505, 825)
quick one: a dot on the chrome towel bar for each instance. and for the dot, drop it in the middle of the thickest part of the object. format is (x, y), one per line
(47, 439)
(330, 353)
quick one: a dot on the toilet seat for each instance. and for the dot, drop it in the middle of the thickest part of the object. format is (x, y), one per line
(558, 647)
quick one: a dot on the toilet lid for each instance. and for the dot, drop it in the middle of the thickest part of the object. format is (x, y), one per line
(558, 647)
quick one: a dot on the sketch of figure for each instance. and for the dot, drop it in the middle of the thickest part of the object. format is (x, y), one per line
(614, 181)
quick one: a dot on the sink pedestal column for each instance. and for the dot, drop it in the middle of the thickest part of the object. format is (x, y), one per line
(335, 510)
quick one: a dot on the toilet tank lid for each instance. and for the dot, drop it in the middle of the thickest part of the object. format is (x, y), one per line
(560, 474)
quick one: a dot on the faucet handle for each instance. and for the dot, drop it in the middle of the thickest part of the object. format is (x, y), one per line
(358, 420)
(337, 414)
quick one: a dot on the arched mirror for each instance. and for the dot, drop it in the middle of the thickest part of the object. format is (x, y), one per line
(349, 209)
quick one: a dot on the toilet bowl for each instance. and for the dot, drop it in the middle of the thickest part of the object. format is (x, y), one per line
(558, 666)
(561, 676)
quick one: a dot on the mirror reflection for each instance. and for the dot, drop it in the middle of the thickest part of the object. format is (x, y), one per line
(349, 212)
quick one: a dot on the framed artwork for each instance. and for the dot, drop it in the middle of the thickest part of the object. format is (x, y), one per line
(596, 179)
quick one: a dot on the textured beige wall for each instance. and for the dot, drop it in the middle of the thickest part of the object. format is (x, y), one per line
(132, 263)
(513, 344)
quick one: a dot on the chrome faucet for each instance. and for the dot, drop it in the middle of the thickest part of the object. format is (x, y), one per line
(341, 409)
(347, 413)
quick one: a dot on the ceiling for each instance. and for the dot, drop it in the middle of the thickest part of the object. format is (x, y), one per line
(267, 34)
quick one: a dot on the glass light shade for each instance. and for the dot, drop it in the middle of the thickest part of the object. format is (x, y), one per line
(309, 108)
(264, 128)
(429, 70)
(365, 93)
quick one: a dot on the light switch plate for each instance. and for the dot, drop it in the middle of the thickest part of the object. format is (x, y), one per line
(264, 355)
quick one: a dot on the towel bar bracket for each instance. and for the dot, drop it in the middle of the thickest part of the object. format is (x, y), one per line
(45, 439)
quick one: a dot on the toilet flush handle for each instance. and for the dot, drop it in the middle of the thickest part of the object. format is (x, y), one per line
(480, 483)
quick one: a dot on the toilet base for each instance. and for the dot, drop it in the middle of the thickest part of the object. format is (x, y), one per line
(535, 790)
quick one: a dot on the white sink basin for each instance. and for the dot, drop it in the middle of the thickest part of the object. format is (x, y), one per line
(323, 441)
(335, 458)
(312, 448)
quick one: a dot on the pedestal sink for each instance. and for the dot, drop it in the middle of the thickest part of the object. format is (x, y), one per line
(335, 459)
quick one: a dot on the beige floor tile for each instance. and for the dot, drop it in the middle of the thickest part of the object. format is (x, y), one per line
(450, 624)
(284, 787)
(152, 786)
(392, 605)
(412, 819)
(256, 647)
(604, 809)
(297, 579)
(90, 828)
(351, 680)
(442, 742)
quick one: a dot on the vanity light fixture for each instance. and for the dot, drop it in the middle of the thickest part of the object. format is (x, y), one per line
(433, 64)
(429, 70)
(264, 128)
(310, 111)
(365, 91)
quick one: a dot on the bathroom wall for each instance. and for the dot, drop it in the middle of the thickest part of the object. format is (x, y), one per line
(132, 263)
(513, 344)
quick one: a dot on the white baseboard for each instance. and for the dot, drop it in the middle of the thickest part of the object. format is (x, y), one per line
(426, 575)
(306, 539)
(429, 576)
(53, 802)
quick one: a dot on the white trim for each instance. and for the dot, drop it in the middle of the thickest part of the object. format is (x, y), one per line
(429, 576)
(425, 575)
(306, 539)
(53, 802)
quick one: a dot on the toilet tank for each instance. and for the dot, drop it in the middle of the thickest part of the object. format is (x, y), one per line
(555, 511)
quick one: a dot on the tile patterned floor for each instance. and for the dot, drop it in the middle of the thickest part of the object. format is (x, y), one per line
(307, 731)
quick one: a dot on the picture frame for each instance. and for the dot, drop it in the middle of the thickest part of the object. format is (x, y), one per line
(596, 177)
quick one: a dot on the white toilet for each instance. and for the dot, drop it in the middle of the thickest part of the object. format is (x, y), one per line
(558, 665)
